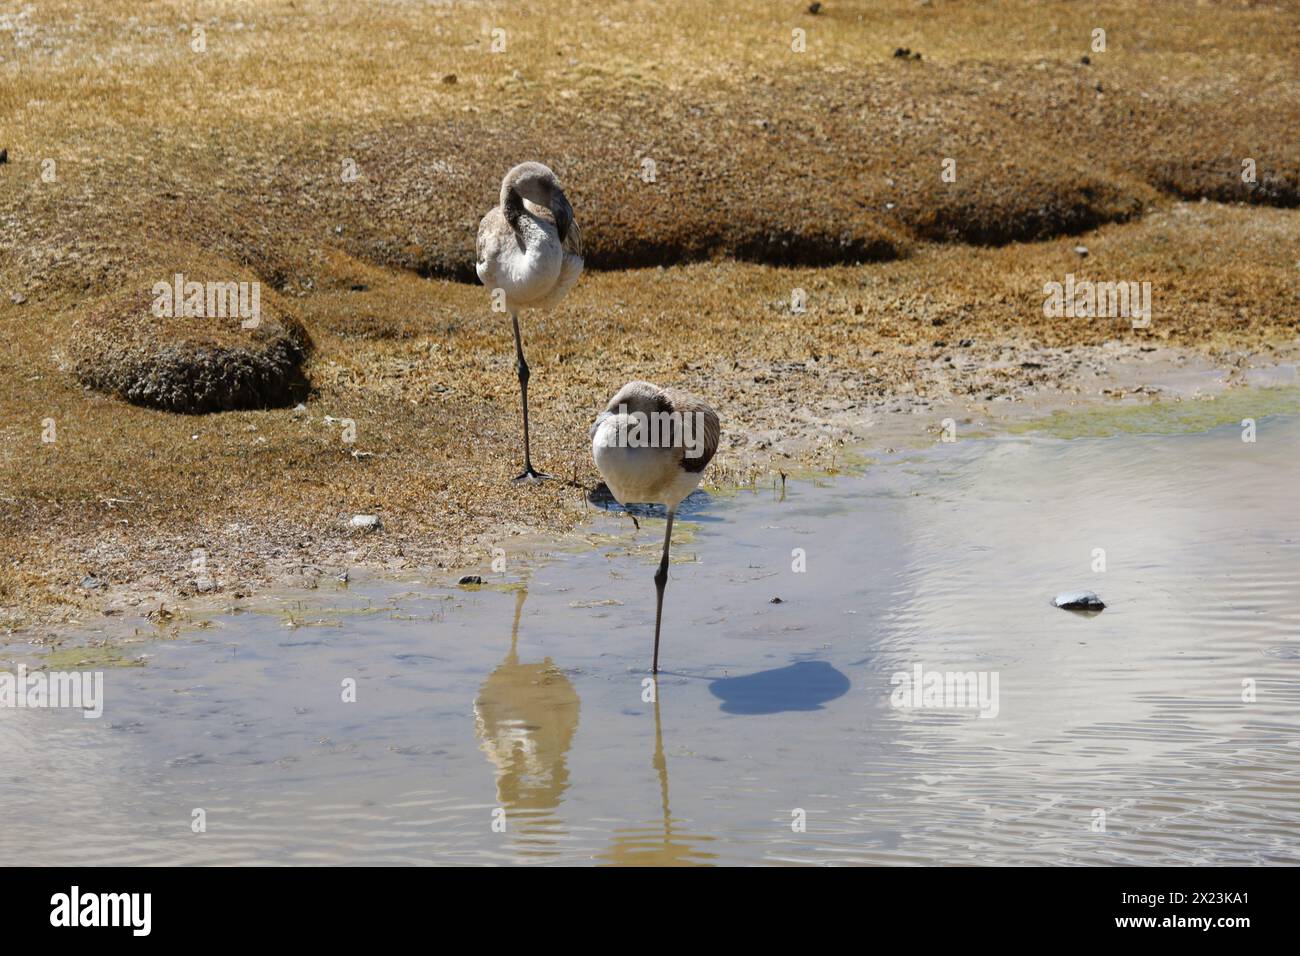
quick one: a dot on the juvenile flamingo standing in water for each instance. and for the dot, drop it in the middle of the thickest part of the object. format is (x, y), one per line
(651, 446)
(530, 248)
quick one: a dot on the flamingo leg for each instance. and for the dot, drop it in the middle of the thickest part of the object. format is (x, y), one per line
(521, 366)
(661, 581)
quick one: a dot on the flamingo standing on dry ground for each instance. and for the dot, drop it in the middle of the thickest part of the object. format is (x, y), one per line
(530, 249)
(651, 446)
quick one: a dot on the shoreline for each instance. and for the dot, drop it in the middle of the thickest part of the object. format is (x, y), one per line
(96, 627)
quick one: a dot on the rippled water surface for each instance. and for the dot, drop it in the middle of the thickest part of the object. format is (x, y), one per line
(527, 697)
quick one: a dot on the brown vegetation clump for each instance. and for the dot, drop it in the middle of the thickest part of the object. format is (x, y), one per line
(192, 364)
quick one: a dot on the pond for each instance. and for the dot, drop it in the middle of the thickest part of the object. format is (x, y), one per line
(516, 724)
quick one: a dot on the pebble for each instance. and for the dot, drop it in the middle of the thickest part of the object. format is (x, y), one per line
(1078, 601)
(91, 583)
(365, 523)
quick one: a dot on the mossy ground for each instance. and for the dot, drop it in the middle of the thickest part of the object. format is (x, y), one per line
(773, 171)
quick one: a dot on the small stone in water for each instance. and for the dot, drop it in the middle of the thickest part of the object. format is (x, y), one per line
(776, 600)
(1078, 601)
(365, 522)
(470, 579)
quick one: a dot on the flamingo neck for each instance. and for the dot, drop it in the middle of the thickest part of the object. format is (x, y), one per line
(512, 205)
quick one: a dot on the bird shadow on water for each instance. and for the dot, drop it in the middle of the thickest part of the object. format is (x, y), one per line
(803, 685)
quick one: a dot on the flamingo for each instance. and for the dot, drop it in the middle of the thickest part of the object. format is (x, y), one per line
(651, 446)
(529, 250)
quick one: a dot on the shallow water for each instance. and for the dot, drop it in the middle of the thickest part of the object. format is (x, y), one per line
(530, 699)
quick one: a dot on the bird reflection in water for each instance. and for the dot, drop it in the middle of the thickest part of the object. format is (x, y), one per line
(525, 717)
(661, 843)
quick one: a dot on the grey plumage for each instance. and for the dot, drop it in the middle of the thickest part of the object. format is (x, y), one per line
(529, 252)
(688, 405)
(649, 469)
(527, 188)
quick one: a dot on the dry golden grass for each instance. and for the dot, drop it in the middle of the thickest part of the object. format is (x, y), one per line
(831, 155)
(172, 161)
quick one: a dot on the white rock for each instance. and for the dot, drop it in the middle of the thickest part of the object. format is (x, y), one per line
(1078, 601)
(365, 523)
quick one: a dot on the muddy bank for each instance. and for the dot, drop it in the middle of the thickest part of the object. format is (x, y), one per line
(126, 577)
(414, 414)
